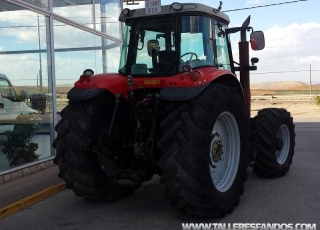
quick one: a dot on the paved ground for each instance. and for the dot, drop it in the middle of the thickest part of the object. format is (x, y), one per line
(26, 186)
(294, 198)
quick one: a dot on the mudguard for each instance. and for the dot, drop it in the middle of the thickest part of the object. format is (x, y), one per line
(84, 94)
(93, 86)
(186, 93)
(180, 94)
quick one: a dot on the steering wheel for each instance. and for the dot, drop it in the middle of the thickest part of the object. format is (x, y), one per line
(191, 53)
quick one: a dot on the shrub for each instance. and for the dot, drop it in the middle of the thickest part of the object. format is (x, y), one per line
(316, 99)
(19, 147)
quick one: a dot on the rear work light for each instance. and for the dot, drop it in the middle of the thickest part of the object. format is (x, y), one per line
(88, 72)
(176, 6)
(126, 12)
(86, 75)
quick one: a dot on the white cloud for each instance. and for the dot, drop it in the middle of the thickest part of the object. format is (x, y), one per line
(22, 25)
(289, 48)
(250, 2)
(22, 69)
(310, 59)
(20, 32)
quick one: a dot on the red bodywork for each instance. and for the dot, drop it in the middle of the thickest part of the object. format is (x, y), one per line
(117, 83)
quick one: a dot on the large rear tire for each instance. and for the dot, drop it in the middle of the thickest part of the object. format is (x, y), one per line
(273, 141)
(79, 166)
(205, 152)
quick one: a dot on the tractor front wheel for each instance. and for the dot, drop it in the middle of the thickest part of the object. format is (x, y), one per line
(272, 141)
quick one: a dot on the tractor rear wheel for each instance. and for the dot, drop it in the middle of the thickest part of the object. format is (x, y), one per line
(273, 141)
(205, 149)
(79, 166)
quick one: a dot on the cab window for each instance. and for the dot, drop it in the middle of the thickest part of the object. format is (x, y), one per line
(196, 41)
(223, 60)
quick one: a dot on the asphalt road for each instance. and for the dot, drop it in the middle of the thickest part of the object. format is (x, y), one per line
(294, 198)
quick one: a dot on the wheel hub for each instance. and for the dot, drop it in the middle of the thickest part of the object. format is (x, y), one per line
(279, 144)
(224, 152)
(216, 150)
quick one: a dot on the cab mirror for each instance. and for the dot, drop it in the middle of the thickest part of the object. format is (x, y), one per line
(257, 40)
(153, 47)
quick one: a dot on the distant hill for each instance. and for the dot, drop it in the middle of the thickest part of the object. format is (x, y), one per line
(281, 85)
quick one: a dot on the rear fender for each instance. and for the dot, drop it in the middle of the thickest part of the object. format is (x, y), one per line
(76, 94)
(183, 93)
(96, 85)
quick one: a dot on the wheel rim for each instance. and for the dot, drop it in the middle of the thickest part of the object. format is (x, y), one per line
(283, 135)
(224, 151)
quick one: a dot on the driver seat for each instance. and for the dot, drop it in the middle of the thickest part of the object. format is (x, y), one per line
(167, 59)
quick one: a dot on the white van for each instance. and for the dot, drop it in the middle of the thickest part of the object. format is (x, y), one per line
(10, 110)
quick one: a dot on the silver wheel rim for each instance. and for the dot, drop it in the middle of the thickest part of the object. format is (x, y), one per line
(224, 151)
(284, 135)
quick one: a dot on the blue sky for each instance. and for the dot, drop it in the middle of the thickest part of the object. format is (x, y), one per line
(292, 33)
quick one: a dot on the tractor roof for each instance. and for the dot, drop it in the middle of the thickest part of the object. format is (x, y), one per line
(187, 8)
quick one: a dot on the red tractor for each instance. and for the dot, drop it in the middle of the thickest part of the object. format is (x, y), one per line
(175, 109)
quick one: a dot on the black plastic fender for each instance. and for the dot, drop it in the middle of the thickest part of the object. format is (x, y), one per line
(180, 94)
(84, 94)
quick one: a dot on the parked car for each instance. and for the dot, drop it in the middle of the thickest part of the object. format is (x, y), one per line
(12, 106)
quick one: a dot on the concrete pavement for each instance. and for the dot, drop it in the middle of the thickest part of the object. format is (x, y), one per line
(25, 191)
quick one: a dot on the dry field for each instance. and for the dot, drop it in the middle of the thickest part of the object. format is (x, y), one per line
(272, 88)
(297, 109)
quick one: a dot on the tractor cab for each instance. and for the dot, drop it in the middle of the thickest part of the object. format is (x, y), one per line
(162, 44)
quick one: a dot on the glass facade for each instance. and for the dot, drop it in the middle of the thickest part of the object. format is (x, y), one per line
(44, 47)
(98, 15)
